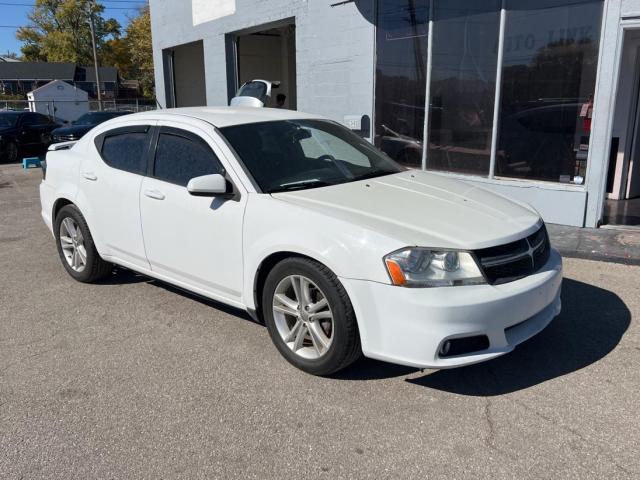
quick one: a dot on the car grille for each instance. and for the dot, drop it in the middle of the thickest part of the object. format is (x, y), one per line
(515, 260)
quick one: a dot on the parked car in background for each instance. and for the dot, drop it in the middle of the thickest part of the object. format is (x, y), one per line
(308, 227)
(402, 148)
(23, 134)
(542, 141)
(82, 125)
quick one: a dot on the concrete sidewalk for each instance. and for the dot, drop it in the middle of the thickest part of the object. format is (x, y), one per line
(604, 244)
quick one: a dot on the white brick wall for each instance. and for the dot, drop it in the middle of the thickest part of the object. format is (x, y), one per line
(334, 48)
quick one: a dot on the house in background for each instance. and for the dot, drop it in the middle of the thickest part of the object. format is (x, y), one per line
(19, 78)
(85, 78)
(59, 100)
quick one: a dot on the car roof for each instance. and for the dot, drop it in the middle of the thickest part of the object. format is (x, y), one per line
(110, 113)
(227, 116)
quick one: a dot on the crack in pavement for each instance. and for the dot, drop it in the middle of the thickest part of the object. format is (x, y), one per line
(574, 432)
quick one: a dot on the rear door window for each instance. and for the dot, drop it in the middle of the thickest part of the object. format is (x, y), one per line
(125, 149)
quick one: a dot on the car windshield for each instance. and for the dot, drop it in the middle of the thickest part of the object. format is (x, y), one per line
(94, 118)
(253, 89)
(301, 154)
(8, 119)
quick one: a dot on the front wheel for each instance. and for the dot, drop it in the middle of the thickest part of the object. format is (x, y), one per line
(309, 317)
(76, 248)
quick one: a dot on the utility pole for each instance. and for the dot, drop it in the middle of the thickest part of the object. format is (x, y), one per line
(95, 53)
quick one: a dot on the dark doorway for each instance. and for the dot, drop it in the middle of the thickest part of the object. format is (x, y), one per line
(268, 53)
(184, 79)
(622, 205)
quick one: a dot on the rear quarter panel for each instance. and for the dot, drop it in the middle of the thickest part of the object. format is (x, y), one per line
(61, 181)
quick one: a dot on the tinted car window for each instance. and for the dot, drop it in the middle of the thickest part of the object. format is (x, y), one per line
(253, 89)
(126, 151)
(35, 119)
(321, 143)
(181, 156)
(300, 154)
(8, 119)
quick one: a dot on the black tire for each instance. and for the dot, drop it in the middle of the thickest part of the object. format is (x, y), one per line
(95, 268)
(345, 346)
(10, 152)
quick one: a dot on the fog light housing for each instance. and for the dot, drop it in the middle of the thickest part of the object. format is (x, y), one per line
(464, 346)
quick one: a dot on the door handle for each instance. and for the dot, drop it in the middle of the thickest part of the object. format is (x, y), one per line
(154, 194)
(90, 176)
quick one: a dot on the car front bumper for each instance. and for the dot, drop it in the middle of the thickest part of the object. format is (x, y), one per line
(409, 326)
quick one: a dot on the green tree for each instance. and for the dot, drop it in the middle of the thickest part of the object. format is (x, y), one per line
(138, 39)
(60, 31)
(116, 53)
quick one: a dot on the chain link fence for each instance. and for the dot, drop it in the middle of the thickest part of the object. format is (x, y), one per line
(64, 111)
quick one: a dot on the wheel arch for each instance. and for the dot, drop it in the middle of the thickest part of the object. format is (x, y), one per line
(63, 200)
(266, 265)
(58, 205)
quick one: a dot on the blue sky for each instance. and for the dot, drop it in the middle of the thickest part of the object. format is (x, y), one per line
(14, 15)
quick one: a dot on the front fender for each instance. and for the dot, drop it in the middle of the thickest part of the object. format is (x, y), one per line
(273, 226)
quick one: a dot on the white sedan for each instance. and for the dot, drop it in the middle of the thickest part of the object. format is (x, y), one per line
(308, 227)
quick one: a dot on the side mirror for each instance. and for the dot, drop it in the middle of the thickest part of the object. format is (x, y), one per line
(213, 185)
(301, 134)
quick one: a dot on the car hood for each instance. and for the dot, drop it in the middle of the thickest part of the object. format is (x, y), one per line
(424, 209)
(7, 130)
(73, 129)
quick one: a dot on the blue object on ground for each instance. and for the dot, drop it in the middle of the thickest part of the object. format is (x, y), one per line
(31, 162)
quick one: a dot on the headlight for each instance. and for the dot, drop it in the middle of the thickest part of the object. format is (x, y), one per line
(424, 267)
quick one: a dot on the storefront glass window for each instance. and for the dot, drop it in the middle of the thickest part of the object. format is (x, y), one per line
(401, 65)
(463, 84)
(549, 73)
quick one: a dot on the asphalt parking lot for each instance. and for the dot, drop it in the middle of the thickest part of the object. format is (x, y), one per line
(133, 379)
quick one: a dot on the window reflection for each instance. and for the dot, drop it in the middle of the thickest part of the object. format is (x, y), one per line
(549, 72)
(401, 62)
(465, 39)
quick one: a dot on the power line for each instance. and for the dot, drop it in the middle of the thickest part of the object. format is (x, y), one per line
(139, 3)
(106, 8)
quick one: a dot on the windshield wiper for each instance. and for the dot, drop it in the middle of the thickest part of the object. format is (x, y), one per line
(301, 185)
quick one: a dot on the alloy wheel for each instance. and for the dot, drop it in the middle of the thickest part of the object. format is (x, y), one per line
(303, 317)
(72, 243)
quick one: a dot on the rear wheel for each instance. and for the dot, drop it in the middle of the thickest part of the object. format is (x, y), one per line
(10, 152)
(309, 317)
(76, 248)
